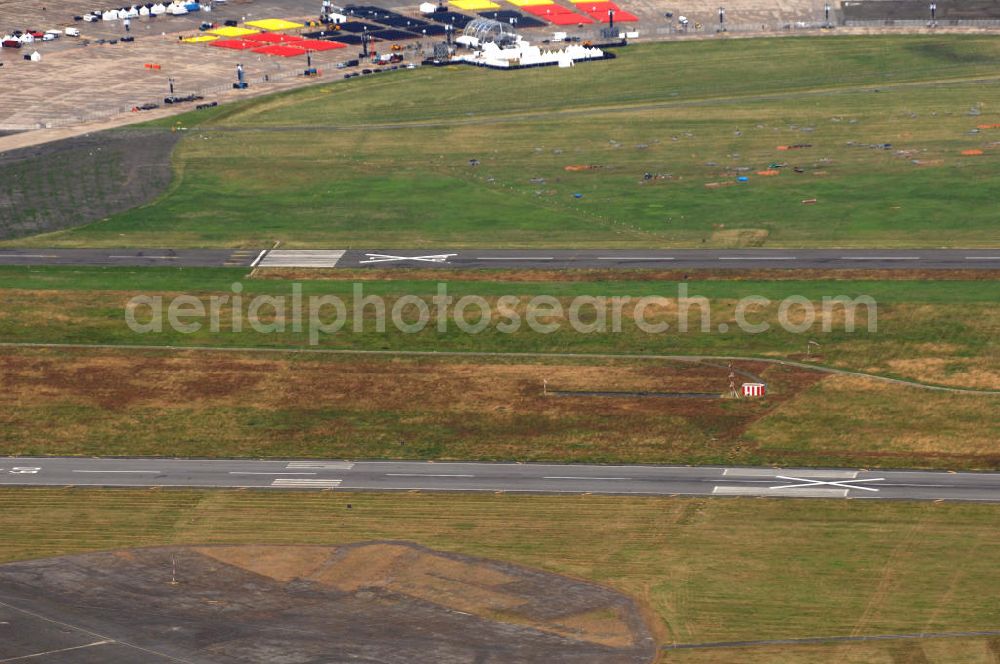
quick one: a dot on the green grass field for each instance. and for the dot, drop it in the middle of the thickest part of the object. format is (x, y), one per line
(937, 332)
(705, 569)
(386, 161)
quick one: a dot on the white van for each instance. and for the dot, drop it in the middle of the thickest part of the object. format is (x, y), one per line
(72, 32)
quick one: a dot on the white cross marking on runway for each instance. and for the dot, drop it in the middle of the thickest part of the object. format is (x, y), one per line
(387, 258)
(844, 484)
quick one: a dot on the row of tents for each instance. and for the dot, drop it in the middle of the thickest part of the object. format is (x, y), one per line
(148, 9)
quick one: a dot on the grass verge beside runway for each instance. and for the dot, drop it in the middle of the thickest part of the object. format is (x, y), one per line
(203, 403)
(706, 569)
(467, 157)
(935, 332)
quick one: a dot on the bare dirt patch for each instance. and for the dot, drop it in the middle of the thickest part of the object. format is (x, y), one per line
(318, 604)
(115, 402)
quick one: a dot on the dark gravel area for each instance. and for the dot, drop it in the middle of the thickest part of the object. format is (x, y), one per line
(385, 602)
(79, 180)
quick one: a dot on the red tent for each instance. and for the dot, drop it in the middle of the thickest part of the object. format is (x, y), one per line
(273, 38)
(235, 44)
(284, 50)
(319, 45)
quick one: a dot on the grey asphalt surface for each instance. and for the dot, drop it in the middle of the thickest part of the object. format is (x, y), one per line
(503, 477)
(549, 259)
(131, 257)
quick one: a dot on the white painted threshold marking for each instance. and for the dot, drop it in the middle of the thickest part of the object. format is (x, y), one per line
(295, 482)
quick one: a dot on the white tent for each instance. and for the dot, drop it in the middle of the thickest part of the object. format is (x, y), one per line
(132, 12)
(110, 15)
(35, 57)
(177, 9)
(144, 11)
(158, 9)
(25, 38)
(427, 8)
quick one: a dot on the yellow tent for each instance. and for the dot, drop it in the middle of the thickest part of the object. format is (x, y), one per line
(474, 5)
(273, 24)
(230, 31)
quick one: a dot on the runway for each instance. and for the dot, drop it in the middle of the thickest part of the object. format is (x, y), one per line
(509, 259)
(679, 259)
(131, 257)
(337, 475)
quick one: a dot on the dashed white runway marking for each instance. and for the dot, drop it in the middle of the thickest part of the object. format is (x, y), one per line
(273, 472)
(515, 258)
(28, 256)
(635, 258)
(982, 258)
(773, 472)
(159, 258)
(303, 483)
(758, 258)
(572, 477)
(880, 258)
(320, 465)
(148, 472)
(423, 475)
